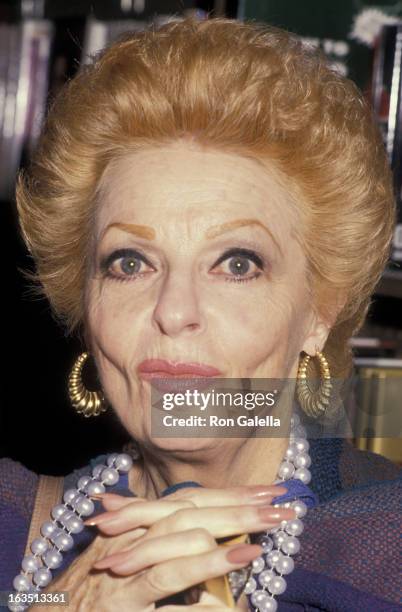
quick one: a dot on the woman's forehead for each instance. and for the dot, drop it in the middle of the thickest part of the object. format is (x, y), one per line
(187, 181)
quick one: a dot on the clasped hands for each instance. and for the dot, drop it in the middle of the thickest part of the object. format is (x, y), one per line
(148, 550)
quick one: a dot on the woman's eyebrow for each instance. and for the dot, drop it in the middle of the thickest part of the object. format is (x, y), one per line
(147, 232)
(217, 230)
(143, 231)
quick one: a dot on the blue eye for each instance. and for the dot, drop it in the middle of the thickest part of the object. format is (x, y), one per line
(123, 264)
(239, 264)
(128, 264)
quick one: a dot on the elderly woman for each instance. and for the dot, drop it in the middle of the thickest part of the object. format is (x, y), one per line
(208, 200)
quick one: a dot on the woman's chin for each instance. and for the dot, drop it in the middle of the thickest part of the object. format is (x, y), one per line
(183, 444)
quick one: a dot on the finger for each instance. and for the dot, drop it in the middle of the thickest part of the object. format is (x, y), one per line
(222, 522)
(170, 577)
(203, 497)
(112, 501)
(232, 496)
(146, 553)
(127, 516)
(135, 515)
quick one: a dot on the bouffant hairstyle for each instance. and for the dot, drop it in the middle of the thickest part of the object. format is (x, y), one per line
(241, 87)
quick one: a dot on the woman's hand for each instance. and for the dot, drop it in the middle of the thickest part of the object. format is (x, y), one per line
(149, 550)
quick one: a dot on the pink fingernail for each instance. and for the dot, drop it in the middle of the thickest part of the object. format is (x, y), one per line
(115, 502)
(270, 514)
(243, 553)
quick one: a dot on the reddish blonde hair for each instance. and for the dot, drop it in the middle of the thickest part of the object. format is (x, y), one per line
(234, 86)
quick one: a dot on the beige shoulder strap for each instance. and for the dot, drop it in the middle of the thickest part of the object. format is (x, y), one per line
(49, 493)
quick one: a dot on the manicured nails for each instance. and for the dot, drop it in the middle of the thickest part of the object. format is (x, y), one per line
(110, 501)
(260, 494)
(270, 515)
(243, 553)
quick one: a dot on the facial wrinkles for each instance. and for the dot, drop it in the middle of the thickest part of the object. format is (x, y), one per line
(232, 317)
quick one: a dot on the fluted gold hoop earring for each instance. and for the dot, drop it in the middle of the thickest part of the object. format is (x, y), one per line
(88, 403)
(314, 403)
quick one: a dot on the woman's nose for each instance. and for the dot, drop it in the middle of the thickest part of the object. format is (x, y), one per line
(178, 308)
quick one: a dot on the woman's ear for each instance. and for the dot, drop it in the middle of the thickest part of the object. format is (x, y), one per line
(320, 326)
(316, 334)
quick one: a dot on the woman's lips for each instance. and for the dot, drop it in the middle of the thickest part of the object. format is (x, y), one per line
(168, 376)
(163, 367)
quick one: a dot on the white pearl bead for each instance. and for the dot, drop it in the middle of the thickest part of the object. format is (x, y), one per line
(109, 476)
(285, 565)
(47, 528)
(69, 495)
(56, 534)
(39, 546)
(300, 508)
(84, 506)
(66, 517)
(277, 585)
(279, 537)
(258, 597)
(57, 511)
(294, 527)
(302, 445)
(30, 564)
(257, 565)
(303, 474)
(52, 559)
(42, 576)
(273, 557)
(21, 583)
(302, 460)
(74, 524)
(64, 541)
(266, 543)
(265, 577)
(291, 452)
(269, 605)
(286, 470)
(83, 481)
(95, 488)
(124, 463)
(251, 586)
(291, 546)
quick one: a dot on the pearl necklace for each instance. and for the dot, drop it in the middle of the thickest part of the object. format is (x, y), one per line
(263, 579)
(260, 582)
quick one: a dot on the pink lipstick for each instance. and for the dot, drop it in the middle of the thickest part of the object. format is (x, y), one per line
(169, 376)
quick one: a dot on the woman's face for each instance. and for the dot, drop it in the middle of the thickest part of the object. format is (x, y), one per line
(196, 260)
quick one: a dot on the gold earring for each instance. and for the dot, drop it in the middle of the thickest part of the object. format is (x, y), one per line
(88, 403)
(314, 403)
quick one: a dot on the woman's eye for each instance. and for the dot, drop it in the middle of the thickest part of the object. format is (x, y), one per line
(125, 264)
(240, 265)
